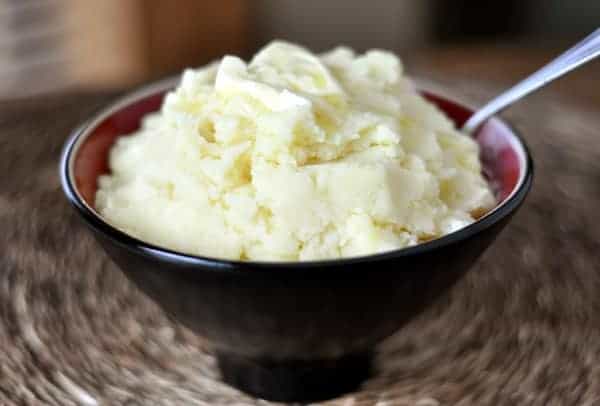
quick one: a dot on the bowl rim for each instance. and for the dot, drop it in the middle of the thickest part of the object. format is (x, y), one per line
(94, 220)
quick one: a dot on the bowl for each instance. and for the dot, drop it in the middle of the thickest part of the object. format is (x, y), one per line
(292, 331)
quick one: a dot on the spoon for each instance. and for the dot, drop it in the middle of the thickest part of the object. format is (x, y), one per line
(584, 51)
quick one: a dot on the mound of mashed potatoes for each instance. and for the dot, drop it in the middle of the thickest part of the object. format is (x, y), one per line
(294, 156)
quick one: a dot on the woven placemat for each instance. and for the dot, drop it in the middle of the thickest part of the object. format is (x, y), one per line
(522, 328)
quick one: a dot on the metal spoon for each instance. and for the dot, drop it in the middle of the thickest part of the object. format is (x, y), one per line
(583, 52)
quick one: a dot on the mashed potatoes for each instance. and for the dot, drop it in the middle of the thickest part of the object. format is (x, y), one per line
(294, 156)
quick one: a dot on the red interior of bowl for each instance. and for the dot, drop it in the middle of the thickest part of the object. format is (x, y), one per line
(91, 159)
(499, 154)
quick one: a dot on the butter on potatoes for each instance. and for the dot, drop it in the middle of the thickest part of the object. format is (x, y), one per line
(294, 156)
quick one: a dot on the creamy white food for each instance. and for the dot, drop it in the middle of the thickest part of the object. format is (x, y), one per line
(294, 156)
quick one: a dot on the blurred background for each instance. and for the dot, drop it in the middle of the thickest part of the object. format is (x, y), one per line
(57, 45)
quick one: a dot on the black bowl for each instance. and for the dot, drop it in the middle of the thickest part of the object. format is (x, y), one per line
(292, 331)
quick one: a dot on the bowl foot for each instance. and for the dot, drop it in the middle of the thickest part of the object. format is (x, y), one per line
(295, 381)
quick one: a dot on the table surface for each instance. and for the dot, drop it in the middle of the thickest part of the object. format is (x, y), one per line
(522, 328)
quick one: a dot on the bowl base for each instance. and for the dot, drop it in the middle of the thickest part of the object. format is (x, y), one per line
(295, 381)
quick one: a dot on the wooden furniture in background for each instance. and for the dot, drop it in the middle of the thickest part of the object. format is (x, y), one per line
(130, 41)
(58, 44)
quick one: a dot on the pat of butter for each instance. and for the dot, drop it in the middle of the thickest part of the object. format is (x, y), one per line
(294, 156)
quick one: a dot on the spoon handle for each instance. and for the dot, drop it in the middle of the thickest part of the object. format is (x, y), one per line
(586, 50)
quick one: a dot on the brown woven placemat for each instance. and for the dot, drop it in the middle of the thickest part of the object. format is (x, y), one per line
(522, 328)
